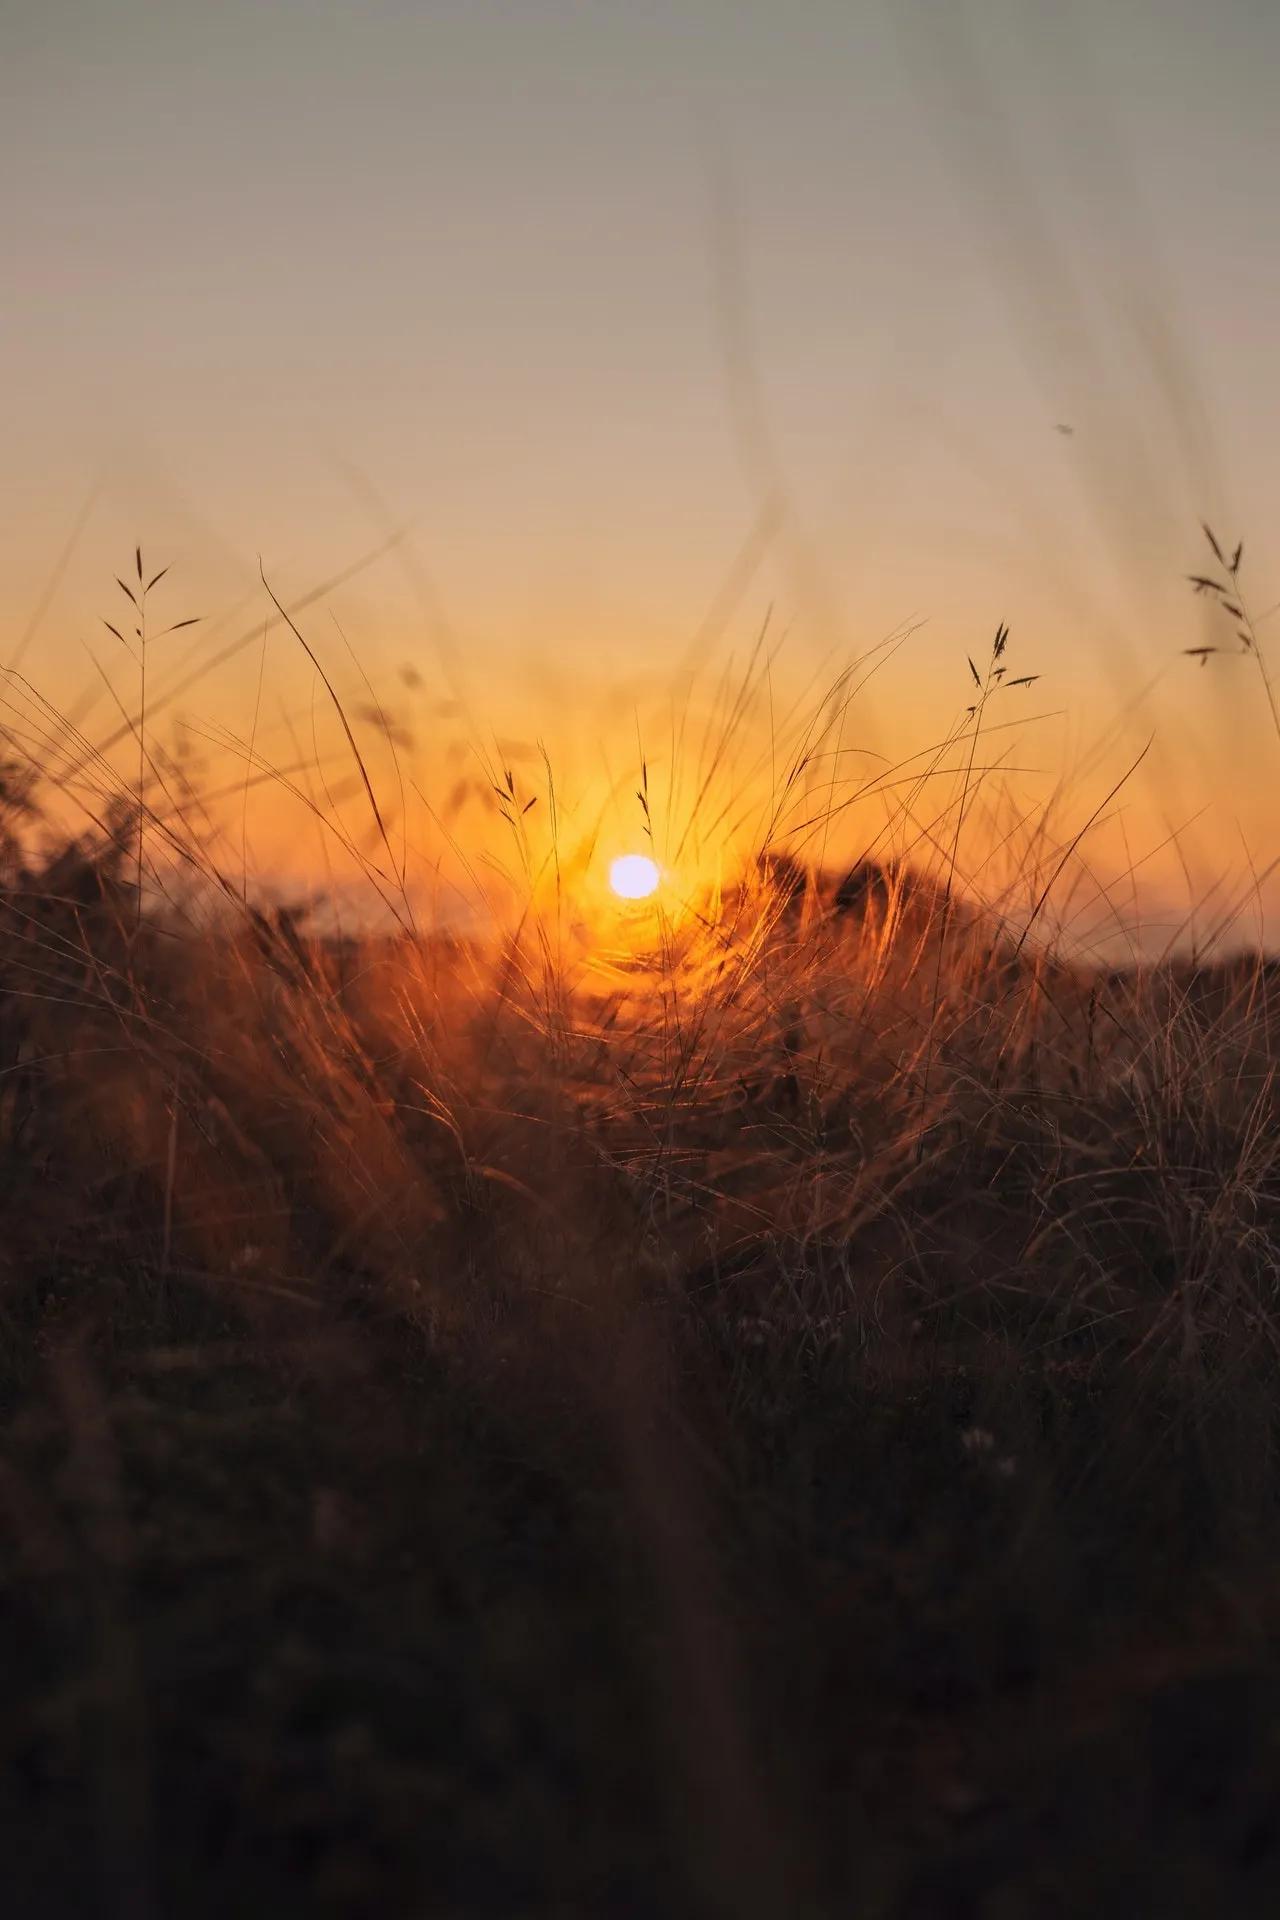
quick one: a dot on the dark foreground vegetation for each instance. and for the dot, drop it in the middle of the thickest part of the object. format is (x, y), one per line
(781, 1423)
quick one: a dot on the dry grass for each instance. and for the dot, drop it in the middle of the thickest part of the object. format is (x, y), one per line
(770, 1413)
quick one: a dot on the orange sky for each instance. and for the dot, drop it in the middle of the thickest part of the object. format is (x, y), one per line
(643, 322)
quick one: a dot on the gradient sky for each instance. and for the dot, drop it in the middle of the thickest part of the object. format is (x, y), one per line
(583, 293)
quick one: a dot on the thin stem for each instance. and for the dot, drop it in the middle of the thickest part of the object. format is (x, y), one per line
(978, 713)
(1256, 650)
(142, 742)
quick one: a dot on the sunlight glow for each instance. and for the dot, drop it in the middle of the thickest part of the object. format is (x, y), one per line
(634, 876)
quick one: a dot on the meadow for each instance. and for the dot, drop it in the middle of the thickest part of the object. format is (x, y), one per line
(768, 1409)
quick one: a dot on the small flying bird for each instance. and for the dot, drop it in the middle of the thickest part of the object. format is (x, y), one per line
(1060, 426)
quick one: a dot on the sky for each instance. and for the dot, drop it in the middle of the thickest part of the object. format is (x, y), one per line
(644, 323)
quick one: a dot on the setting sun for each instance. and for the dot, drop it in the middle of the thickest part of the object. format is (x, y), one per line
(634, 876)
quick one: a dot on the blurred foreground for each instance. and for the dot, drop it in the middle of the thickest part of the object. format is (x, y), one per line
(781, 1422)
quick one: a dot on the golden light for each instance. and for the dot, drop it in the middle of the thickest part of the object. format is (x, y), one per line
(634, 876)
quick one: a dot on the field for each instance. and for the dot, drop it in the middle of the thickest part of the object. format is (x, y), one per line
(775, 1419)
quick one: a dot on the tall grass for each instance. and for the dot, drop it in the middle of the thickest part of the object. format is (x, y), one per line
(797, 1136)
(763, 1057)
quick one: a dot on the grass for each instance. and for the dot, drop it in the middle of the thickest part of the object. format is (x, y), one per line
(773, 1414)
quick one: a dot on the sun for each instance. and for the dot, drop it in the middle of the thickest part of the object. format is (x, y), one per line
(634, 876)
